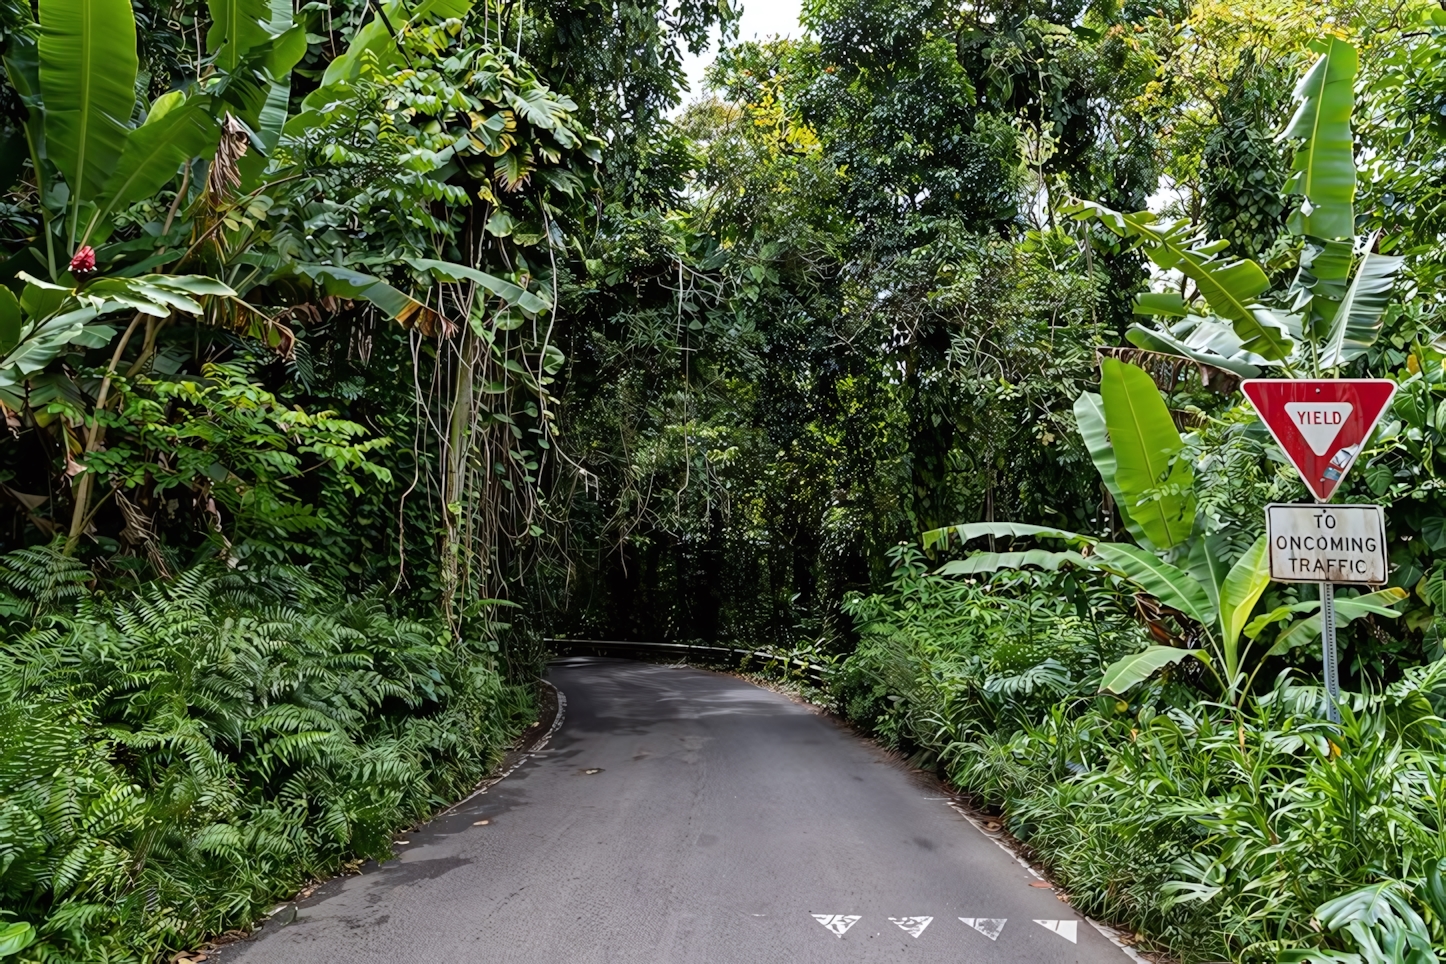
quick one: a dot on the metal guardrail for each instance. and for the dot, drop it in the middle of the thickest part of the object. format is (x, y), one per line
(813, 672)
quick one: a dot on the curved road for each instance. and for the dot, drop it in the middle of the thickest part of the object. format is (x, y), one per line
(680, 816)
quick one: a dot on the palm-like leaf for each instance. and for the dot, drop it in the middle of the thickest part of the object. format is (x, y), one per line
(1089, 415)
(87, 79)
(236, 27)
(156, 150)
(1127, 673)
(1154, 484)
(1357, 323)
(1324, 170)
(994, 561)
(1170, 584)
(1167, 343)
(511, 293)
(1239, 593)
(1231, 289)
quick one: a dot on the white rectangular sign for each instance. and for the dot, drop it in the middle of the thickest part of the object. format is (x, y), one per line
(1327, 543)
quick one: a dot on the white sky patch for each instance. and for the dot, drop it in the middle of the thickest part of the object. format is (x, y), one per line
(761, 19)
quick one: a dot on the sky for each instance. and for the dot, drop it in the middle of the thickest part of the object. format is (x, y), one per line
(761, 18)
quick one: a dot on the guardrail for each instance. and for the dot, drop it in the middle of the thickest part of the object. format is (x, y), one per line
(813, 672)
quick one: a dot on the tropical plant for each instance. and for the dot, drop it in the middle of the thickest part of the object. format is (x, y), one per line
(1334, 310)
(175, 759)
(1183, 568)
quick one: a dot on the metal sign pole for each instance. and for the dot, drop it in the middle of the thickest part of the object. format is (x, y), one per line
(1328, 651)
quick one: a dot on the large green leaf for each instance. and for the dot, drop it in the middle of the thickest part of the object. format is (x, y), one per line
(506, 290)
(1000, 530)
(1231, 288)
(253, 89)
(1124, 675)
(1324, 170)
(1320, 283)
(1089, 415)
(155, 151)
(1305, 630)
(1168, 344)
(376, 37)
(1155, 486)
(1171, 585)
(1239, 592)
(1206, 562)
(994, 561)
(88, 82)
(1357, 323)
(346, 283)
(1171, 304)
(15, 937)
(271, 120)
(236, 27)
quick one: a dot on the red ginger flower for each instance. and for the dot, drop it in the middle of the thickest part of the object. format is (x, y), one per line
(84, 260)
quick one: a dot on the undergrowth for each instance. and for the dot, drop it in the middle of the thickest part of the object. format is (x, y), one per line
(1251, 833)
(175, 759)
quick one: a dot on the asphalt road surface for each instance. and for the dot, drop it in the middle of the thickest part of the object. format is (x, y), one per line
(683, 816)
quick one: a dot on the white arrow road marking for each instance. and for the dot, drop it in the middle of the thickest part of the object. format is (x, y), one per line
(988, 926)
(1068, 929)
(913, 926)
(837, 924)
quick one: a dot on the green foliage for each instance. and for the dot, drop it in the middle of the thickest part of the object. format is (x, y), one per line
(177, 758)
(1220, 833)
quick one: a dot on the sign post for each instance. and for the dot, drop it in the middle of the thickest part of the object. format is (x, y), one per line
(1322, 425)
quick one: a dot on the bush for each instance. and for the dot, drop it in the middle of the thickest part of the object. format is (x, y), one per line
(1219, 832)
(174, 760)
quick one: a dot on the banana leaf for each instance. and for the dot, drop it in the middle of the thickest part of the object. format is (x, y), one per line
(1151, 340)
(88, 83)
(1357, 322)
(1324, 169)
(1239, 593)
(236, 27)
(994, 561)
(1320, 284)
(1134, 669)
(1089, 415)
(1000, 530)
(511, 293)
(1170, 584)
(346, 283)
(155, 151)
(1206, 562)
(1155, 486)
(1303, 631)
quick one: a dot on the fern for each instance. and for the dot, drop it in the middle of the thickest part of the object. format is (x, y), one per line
(174, 760)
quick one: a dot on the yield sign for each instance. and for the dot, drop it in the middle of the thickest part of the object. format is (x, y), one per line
(1320, 423)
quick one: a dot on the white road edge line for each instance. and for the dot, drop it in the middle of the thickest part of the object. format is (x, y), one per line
(1109, 933)
(540, 744)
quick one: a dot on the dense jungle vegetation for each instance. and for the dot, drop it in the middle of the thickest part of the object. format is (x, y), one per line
(349, 350)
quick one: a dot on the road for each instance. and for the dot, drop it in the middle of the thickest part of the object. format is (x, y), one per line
(683, 816)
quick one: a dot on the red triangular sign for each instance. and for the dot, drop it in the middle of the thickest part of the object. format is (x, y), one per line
(1320, 423)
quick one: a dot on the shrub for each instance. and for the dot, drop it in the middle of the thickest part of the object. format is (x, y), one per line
(174, 760)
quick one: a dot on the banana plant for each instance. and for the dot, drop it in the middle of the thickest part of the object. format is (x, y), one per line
(94, 150)
(1218, 314)
(1142, 461)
